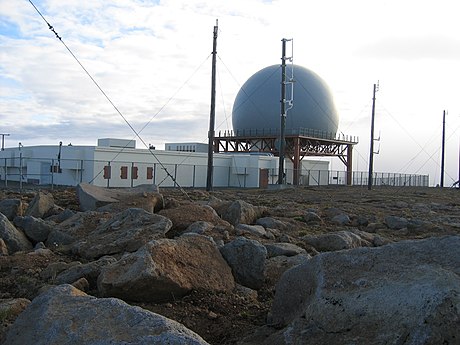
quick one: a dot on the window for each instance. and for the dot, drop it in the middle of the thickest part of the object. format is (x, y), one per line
(149, 173)
(55, 169)
(107, 172)
(124, 172)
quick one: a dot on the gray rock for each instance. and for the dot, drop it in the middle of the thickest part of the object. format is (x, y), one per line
(334, 241)
(247, 259)
(272, 223)
(331, 212)
(36, 229)
(373, 240)
(3, 248)
(199, 227)
(14, 239)
(256, 230)
(39, 245)
(165, 269)
(11, 208)
(65, 315)
(53, 269)
(276, 266)
(10, 308)
(241, 212)
(41, 205)
(405, 292)
(312, 218)
(341, 219)
(90, 271)
(124, 232)
(286, 249)
(77, 227)
(396, 223)
(61, 216)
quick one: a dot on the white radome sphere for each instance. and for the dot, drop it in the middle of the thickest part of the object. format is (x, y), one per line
(257, 104)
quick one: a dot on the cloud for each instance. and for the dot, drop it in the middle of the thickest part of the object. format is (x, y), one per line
(434, 47)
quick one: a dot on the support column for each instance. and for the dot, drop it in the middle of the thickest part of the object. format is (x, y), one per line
(349, 165)
(296, 161)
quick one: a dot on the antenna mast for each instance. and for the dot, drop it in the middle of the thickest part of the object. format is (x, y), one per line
(371, 154)
(443, 146)
(283, 102)
(212, 117)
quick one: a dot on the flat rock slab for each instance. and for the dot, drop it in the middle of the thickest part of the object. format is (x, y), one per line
(65, 315)
(144, 196)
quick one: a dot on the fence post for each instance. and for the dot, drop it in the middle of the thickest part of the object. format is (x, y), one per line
(20, 170)
(132, 181)
(229, 175)
(6, 173)
(175, 175)
(193, 178)
(52, 173)
(110, 176)
(81, 171)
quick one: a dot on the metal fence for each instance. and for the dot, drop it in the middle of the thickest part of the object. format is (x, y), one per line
(71, 172)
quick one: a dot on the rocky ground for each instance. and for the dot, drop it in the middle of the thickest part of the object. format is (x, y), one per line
(388, 214)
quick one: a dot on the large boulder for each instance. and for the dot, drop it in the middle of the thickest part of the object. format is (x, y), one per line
(145, 196)
(166, 269)
(247, 259)
(124, 232)
(402, 293)
(64, 315)
(41, 206)
(36, 229)
(14, 239)
(11, 208)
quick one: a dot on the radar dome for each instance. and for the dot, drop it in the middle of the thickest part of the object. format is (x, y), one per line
(257, 104)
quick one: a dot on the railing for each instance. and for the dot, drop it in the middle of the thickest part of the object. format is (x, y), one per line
(71, 172)
(306, 132)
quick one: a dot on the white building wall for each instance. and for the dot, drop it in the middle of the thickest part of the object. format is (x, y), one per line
(86, 164)
(312, 173)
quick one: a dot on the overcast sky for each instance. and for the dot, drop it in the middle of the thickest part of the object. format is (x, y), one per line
(153, 59)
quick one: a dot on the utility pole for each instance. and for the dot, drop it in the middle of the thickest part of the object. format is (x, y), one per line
(3, 140)
(443, 147)
(212, 117)
(371, 154)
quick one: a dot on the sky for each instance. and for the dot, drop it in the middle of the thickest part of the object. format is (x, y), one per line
(152, 58)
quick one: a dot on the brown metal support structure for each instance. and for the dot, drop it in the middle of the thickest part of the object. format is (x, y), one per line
(349, 164)
(296, 161)
(297, 147)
